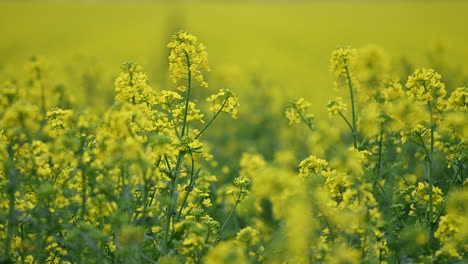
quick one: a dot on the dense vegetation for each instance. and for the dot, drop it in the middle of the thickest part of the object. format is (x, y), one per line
(220, 168)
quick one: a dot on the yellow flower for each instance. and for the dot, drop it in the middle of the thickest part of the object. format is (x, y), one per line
(58, 121)
(449, 237)
(312, 165)
(226, 252)
(242, 181)
(207, 202)
(336, 106)
(341, 60)
(187, 58)
(424, 85)
(422, 194)
(459, 99)
(248, 236)
(131, 86)
(224, 101)
(296, 111)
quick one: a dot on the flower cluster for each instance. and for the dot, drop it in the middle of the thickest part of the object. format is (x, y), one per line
(448, 234)
(131, 85)
(401, 157)
(224, 101)
(58, 120)
(424, 85)
(123, 183)
(341, 59)
(188, 59)
(312, 165)
(139, 181)
(459, 99)
(296, 111)
(421, 196)
(336, 106)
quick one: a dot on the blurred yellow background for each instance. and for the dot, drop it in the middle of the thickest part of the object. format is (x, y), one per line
(288, 44)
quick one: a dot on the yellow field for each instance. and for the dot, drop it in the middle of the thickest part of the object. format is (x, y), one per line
(289, 44)
(245, 132)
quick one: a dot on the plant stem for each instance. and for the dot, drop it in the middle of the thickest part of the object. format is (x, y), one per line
(212, 119)
(173, 199)
(379, 164)
(193, 178)
(180, 157)
(351, 92)
(448, 192)
(429, 178)
(191, 184)
(377, 174)
(303, 118)
(83, 204)
(347, 122)
(332, 236)
(229, 216)
(11, 189)
(187, 99)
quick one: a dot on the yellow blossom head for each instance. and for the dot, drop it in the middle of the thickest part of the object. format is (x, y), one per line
(188, 58)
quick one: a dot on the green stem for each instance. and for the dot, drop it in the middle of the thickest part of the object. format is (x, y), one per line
(347, 122)
(173, 122)
(180, 158)
(12, 183)
(303, 118)
(193, 178)
(423, 145)
(379, 164)
(187, 100)
(189, 190)
(376, 178)
(83, 204)
(332, 236)
(11, 220)
(173, 200)
(351, 92)
(207, 235)
(429, 178)
(212, 119)
(448, 192)
(229, 216)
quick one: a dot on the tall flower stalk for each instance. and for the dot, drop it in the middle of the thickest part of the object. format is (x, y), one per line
(340, 64)
(425, 87)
